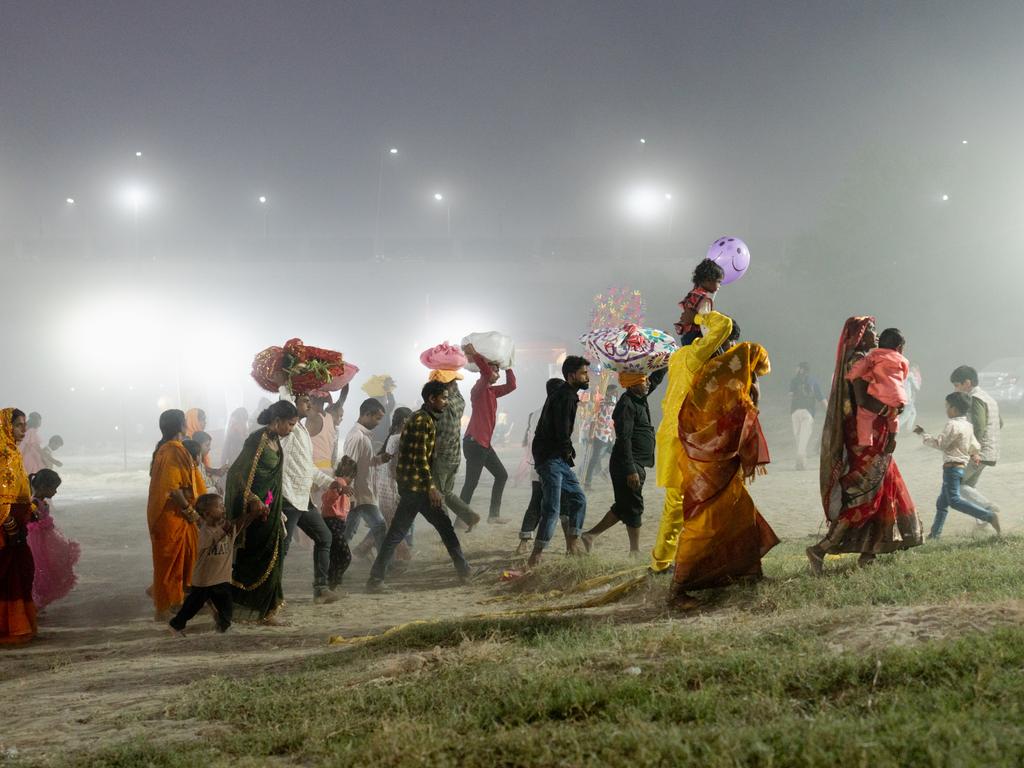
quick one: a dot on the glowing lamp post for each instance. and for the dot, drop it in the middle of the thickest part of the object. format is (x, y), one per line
(135, 198)
(440, 198)
(262, 199)
(393, 151)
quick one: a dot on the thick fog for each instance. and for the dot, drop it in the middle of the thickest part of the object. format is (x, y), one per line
(869, 154)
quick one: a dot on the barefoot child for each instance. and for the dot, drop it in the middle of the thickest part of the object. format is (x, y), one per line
(334, 506)
(211, 575)
(885, 369)
(959, 447)
(54, 555)
(632, 455)
(707, 279)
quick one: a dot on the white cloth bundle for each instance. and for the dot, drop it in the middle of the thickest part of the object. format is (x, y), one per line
(493, 346)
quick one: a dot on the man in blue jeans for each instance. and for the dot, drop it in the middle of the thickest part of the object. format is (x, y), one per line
(553, 455)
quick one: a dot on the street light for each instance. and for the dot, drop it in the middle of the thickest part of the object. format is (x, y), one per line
(945, 198)
(266, 215)
(135, 197)
(138, 154)
(380, 194)
(645, 204)
(448, 209)
(70, 201)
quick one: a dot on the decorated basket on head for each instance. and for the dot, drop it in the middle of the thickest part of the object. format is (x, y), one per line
(304, 369)
(492, 346)
(444, 362)
(630, 349)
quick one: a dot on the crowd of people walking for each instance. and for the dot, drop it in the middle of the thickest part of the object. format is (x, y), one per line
(220, 535)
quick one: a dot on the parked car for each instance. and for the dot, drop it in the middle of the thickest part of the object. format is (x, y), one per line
(1004, 380)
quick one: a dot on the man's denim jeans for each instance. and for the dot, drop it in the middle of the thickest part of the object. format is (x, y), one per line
(558, 481)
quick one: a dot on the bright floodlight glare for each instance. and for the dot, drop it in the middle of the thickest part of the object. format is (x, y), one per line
(138, 154)
(964, 141)
(644, 204)
(263, 199)
(643, 141)
(393, 150)
(70, 201)
(438, 196)
(945, 198)
(135, 197)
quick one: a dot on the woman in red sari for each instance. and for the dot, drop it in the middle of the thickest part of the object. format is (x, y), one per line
(17, 611)
(867, 504)
(724, 537)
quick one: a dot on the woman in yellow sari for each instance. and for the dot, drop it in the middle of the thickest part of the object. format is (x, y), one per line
(724, 536)
(17, 611)
(174, 484)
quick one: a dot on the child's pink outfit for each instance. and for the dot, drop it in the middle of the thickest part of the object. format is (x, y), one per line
(885, 371)
(55, 558)
(335, 502)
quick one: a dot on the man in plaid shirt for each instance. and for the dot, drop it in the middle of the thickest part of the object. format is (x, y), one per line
(418, 488)
(448, 449)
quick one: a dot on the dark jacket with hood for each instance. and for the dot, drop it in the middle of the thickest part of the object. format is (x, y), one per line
(552, 438)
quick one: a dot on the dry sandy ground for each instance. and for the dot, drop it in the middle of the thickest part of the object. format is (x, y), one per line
(99, 654)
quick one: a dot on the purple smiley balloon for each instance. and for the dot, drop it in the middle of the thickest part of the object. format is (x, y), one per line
(732, 255)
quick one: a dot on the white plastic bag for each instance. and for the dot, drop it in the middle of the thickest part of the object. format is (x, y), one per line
(493, 346)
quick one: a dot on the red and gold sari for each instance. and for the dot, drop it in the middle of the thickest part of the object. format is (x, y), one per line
(17, 611)
(724, 536)
(866, 502)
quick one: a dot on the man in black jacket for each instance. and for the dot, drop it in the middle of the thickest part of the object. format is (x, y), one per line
(553, 455)
(632, 454)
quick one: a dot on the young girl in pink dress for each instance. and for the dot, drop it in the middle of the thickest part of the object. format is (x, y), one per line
(54, 555)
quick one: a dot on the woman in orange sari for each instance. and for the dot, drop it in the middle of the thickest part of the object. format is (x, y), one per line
(174, 484)
(724, 537)
(17, 611)
(867, 505)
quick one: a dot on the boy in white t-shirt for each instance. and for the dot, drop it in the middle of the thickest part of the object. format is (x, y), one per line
(959, 448)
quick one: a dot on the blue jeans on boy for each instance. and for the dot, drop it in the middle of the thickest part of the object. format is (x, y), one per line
(950, 497)
(558, 482)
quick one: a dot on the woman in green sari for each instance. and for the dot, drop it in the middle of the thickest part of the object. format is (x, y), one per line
(254, 483)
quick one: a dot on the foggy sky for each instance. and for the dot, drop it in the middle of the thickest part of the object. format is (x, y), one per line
(824, 133)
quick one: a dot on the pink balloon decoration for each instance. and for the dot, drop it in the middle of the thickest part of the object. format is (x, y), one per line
(732, 255)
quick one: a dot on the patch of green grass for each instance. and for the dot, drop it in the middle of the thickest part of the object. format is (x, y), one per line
(983, 570)
(772, 694)
(756, 680)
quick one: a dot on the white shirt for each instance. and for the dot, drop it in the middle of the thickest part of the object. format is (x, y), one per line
(300, 473)
(956, 441)
(359, 448)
